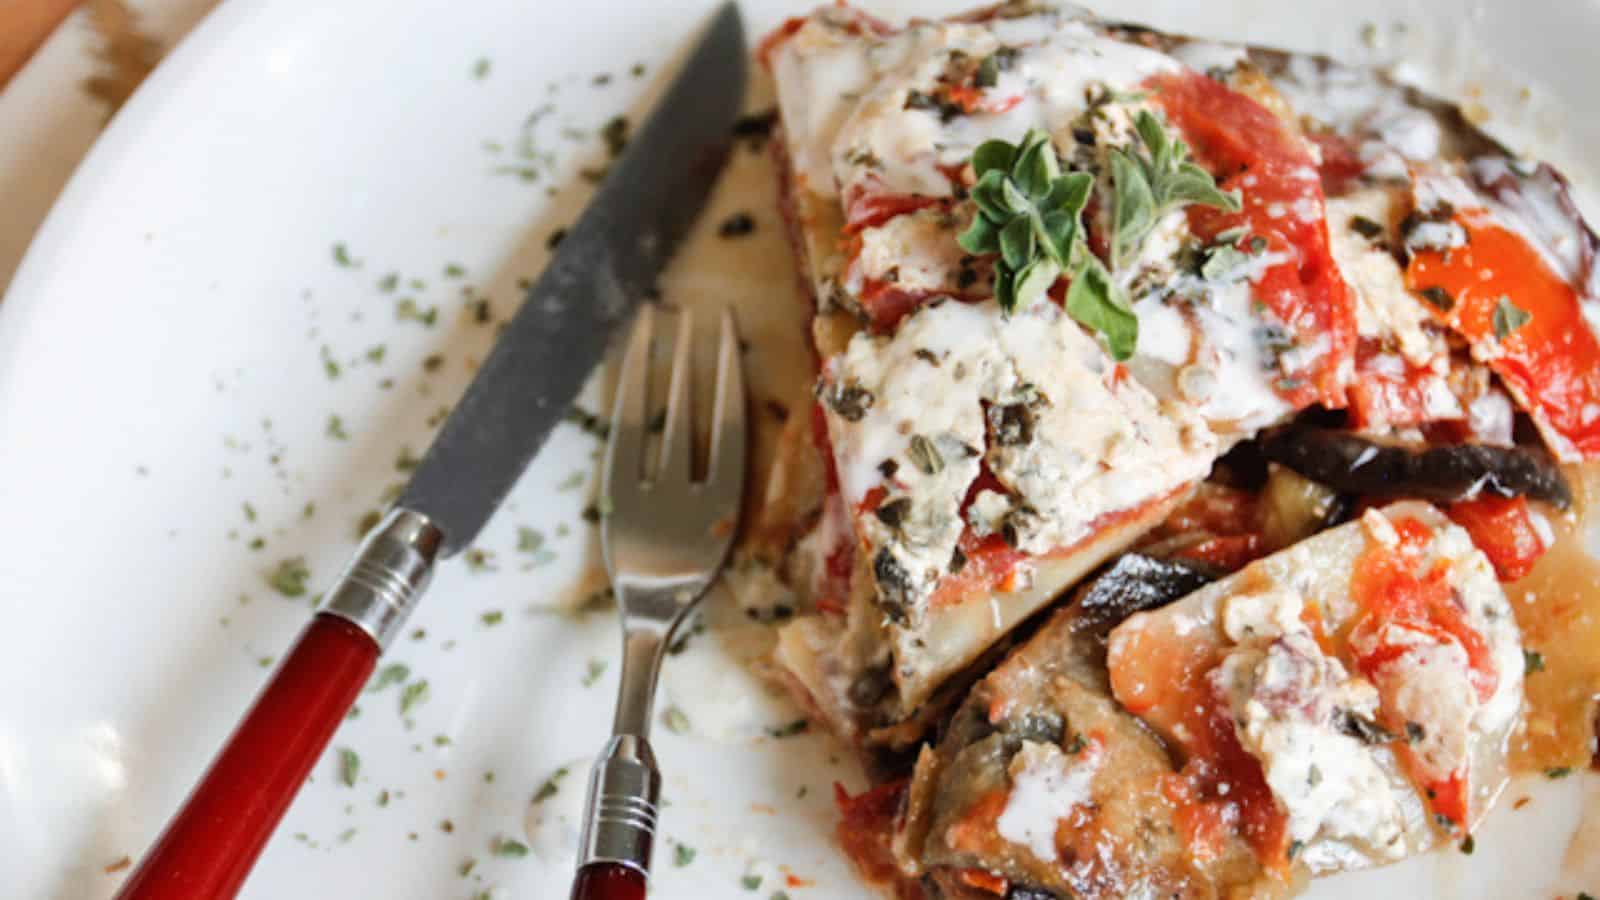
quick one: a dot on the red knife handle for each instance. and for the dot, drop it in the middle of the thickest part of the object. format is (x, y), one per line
(608, 881)
(210, 845)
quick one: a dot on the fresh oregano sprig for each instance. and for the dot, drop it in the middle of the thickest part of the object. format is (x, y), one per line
(1030, 213)
(1147, 185)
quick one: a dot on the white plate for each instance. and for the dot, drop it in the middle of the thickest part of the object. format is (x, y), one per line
(163, 364)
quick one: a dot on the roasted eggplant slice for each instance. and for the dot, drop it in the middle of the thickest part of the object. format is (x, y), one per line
(1348, 462)
(1135, 583)
(1043, 787)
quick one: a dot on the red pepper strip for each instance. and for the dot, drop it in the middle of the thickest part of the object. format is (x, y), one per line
(1551, 363)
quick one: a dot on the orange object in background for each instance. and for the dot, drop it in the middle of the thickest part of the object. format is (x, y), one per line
(24, 24)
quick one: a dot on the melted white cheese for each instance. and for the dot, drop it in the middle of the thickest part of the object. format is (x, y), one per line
(1046, 786)
(885, 147)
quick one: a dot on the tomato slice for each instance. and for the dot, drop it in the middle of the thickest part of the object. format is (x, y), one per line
(1502, 527)
(1247, 147)
(1551, 363)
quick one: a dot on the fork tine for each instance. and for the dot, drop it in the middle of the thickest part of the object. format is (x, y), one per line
(729, 434)
(677, 436)
(625, 448)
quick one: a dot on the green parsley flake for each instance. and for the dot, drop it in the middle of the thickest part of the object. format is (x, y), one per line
(415, 694)
(751, 882)
(507, 848)
(342, 257)
(349, 766)
(480, 69)
(375, 353)
(335, 428)
(551, 785)
(492, 618)
(682, 855)
(330, 366)
(479, 560)
(675, 720)
(1508, 317)
(789, 729)
(1556, 773)
(529, 540)
(393, 673)
(596, 668)
(290, 576)
(389, 282)
(1532, 661)
(454, 270)
(249, 513)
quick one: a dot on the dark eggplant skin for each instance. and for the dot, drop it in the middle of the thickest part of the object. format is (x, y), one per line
(1348, 462)
(1134, 583)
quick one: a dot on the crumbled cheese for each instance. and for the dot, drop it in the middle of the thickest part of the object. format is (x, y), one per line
(1286, 696)
(987, 512)
(1430, 684)
(1263, 615)
(1385, 310)
(1046, 786)
(1379, 528)
(917, 253)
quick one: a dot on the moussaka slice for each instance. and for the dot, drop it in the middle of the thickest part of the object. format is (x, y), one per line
(1343, 703)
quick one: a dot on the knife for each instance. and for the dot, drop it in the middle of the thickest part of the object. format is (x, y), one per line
(608, 261)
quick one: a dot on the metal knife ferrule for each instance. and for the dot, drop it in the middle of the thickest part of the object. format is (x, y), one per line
(624, 789)
(387, 576)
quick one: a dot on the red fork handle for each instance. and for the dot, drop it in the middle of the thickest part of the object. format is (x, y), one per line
(210, 845)
(608, 881)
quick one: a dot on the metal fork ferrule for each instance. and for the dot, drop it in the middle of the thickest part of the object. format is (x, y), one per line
(623, 792)
(383, 582)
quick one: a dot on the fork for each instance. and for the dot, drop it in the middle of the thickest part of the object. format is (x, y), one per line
(664, 538)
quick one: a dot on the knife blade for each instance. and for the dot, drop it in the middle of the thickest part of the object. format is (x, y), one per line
(605, 266)
(607, 262)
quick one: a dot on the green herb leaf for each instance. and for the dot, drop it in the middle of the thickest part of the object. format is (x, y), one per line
(508, 848)
(349, 766)
(290, 576)
(416, 693)
(393, 673)
(1560, 772)
(993, 156)
(492, 618)
(1151, 184)
(750, 882)
(1017, 243)
(551, 785)
(1095, 303)
(980, 237)
(675, 720)
(682, 855)
(592, 673)
(1532, 661)
(1508, 317)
